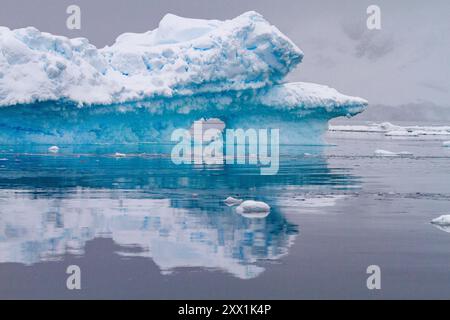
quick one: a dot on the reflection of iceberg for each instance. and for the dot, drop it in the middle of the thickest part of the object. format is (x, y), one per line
(171, 237)
(53, 203)
(145, 85)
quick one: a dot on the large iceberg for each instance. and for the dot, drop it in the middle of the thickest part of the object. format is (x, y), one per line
(59, 90)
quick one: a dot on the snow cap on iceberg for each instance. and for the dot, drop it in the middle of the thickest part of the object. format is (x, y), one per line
(181, 57)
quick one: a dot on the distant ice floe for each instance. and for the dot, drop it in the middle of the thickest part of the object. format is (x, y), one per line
(443, 220)
(442, 223)
(230, 201)
(53, 149)
(119, 155)
(392, 130)
(386, 153)
(446, 144)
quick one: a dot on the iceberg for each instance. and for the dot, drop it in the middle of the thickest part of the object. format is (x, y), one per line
(443, 220)
(53, 149)
(253, 206)
(58, 90)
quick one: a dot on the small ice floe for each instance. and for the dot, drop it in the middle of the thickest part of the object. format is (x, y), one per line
(53, 149)
(119, 155)
(443, 220)
(385, 153)
(446, 144)
(253, 209)
(442, 223)
(230, 201)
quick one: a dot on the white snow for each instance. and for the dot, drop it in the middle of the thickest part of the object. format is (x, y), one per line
(230, 201)
(304, 96)
(181, 57)
(386, 153)
(53, 149)
(443, 220)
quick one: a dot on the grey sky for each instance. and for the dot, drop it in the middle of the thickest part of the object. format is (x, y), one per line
(405, 62)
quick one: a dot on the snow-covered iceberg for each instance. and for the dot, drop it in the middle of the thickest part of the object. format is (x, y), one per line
(59, 90)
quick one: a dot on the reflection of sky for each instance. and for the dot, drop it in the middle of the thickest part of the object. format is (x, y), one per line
(53, 205)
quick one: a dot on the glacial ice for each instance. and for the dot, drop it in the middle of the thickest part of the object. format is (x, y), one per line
(59, 90)
(446, 144)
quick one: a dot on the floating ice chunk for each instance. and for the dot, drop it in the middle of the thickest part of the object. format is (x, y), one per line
(119, 155)
(443, 220)
(53, 149)
(446, 144)
(385, 153)
(230, 201)
(253, 209)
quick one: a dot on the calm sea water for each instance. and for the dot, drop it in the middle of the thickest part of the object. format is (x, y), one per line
(141, 227)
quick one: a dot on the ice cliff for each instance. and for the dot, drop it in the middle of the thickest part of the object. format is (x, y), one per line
(59, 90)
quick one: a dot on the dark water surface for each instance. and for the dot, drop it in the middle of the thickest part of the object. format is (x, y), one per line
(141, 227)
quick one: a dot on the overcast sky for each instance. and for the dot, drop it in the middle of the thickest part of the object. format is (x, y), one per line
(407, 61)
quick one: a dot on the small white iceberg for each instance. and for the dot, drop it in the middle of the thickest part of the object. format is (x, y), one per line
(230, 201)
(385, 153)
(443, 220)
(53, 149)
(446, 144)
(119, 155)
(253, 209)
